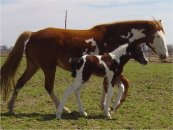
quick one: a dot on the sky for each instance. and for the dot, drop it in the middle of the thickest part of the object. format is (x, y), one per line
(17, 16)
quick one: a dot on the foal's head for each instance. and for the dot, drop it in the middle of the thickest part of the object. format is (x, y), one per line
(135, 52)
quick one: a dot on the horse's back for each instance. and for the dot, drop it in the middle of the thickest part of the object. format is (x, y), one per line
(56, 45)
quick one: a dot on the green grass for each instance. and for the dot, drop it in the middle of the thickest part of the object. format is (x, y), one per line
(149, 103)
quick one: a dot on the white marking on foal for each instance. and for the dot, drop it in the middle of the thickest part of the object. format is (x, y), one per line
(119, 96)
(94, 44)
(75, 85)
(117, 53)
(109, 75)
(85, 52)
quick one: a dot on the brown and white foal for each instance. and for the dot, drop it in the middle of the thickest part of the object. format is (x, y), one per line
(110, 65)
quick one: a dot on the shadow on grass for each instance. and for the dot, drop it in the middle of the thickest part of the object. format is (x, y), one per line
(46, 117)
(37, 116)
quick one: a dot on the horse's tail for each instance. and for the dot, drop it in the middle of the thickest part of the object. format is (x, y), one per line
(74, 62)
(10, 66)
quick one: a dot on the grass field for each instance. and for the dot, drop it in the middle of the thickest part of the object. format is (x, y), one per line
(149, 102)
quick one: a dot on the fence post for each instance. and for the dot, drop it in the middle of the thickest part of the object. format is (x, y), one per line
(65, 19)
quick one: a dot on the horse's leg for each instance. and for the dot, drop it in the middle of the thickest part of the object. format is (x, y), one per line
(122, 91)
(75, 85)
(29, 72)
(108, 98)
(80, 106)
(104, 93)
(49, 85)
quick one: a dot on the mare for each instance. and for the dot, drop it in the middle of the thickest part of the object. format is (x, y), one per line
(108, 65)
(53, 47)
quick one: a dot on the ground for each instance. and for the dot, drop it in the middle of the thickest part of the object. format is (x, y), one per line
(148, 104)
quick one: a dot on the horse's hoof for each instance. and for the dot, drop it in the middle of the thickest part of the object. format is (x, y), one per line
(66, 110)
(58, 116)
(83, 113)
(11, 112)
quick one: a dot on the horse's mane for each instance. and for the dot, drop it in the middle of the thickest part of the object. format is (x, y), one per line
(156, 23)
(153, 23)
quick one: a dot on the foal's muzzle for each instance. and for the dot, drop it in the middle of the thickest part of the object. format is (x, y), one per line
(144, 61)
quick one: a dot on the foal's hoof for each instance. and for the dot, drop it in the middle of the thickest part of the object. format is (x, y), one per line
(66, 110)
(107, 114)
(109, 117)
(112, 109)
(83, 113)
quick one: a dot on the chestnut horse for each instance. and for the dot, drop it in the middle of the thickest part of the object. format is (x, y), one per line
(53, 47)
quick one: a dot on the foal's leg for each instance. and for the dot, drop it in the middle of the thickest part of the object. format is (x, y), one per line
(123, 86)
(29, 72)
(80, 106)
(119, 96)
(104, 92)
(108, 98)
(75, 85)
(49, 84)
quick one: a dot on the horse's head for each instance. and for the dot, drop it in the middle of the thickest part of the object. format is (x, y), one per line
(158, 42)
(135, 52)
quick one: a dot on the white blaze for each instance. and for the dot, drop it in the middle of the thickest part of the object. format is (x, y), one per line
(159, 43)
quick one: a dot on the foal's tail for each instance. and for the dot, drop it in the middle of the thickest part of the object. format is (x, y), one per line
(10, 66)
(126, 85)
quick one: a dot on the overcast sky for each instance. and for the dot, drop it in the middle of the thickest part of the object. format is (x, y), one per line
(18, 16)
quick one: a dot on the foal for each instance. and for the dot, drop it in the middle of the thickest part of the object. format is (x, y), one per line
(109, 65)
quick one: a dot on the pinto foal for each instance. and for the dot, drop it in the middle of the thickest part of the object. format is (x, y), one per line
(109, 65)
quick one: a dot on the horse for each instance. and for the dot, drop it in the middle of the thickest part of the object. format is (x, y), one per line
(108, 65)
(52, 47)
